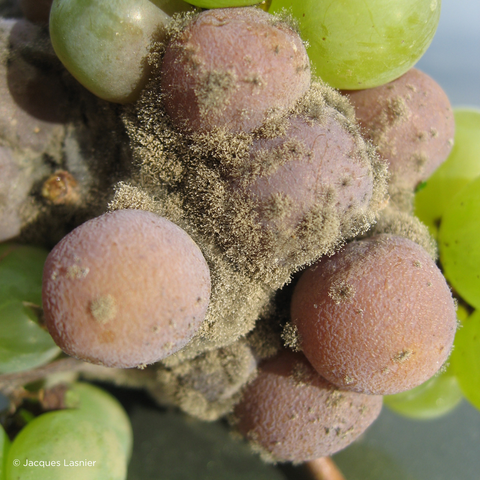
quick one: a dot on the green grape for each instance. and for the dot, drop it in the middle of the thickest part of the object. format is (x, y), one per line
(465, 358)
(23, 343)
(4, 447)
(434, 398)
(54, 440)
(459, 243)
(104, 409)
(104, 43)
(461, 167)
(223, 3)
(355, 45)
(21, 269)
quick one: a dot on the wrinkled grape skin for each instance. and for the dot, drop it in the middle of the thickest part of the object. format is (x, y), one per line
(222, 71)
(459, 243)
(377, 317)
(461, 167)
(325, 164)
(125, 289)
(411, 122)
(356, 45)
(104, 44)
(296, 415)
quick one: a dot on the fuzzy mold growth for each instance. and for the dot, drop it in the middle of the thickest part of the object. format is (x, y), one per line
(261, 205)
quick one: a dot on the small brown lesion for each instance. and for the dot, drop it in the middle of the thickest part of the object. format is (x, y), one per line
(403, 356)
(341, 292)
(61, 188)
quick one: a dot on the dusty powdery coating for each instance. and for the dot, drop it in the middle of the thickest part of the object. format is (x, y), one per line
(125, 289)
(223, 69)
(377, 317)
(308, 165)
(411, 121)
(290, 413)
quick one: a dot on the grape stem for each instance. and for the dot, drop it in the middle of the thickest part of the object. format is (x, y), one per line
(12, 381)
(323, 468)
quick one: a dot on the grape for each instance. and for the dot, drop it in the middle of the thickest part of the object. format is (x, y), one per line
(222, 3)
(319, 160)
(125, 289)
(459, 242)
(410, 120)
(104, 44)
(4, 447)
(465, 358)
(295, 415)
(23, 344)
(103, 409)
(377, 317)
(209, 84)
(436, 397)
(461, 167)
(66, 436)
(356, 45)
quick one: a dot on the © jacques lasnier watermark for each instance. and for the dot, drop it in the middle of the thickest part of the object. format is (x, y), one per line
(54, 463)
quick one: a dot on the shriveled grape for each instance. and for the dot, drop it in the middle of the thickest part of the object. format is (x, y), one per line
(411, 122)
(293, 414)
(314, 162)
(125, 289)
(377, 317)
(222, 70)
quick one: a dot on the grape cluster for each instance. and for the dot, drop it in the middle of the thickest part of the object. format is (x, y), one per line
(243, 169)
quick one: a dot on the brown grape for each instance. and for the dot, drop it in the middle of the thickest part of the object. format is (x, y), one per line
(377, 317)
(222, 70)
(312, 163)
(411, 122)
(125, 289)
(295, 415)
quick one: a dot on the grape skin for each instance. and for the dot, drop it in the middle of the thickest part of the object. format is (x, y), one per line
(411, 122)
(459, 243)
(104, 44)
(125, 289)
(221, 71)
(321, 162)
(295, 415)
(66, 436)
(465, 359)
(461, 167)
(356, 45)
(377, 317)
